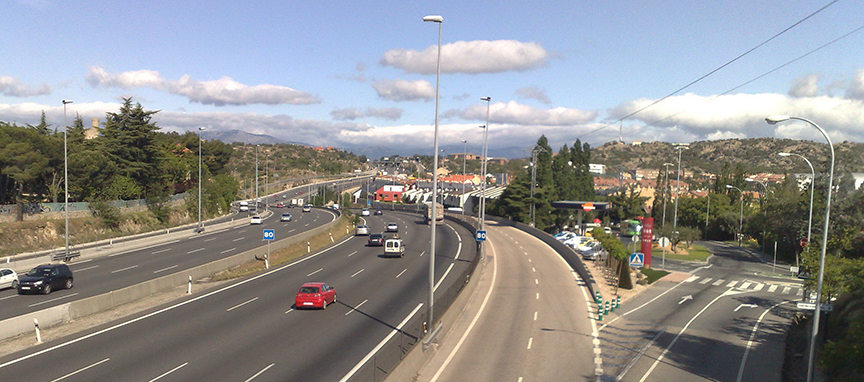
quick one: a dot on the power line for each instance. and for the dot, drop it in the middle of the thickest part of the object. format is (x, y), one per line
(757, 77)
(711, 72)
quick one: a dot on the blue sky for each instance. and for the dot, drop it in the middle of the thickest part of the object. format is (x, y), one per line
(360, 75)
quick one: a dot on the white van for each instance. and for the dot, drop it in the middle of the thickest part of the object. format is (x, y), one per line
(394, 247)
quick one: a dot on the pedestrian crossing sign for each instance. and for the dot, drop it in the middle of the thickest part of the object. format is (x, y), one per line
(637, 260)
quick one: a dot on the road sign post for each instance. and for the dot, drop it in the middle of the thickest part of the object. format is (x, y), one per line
(269, 235)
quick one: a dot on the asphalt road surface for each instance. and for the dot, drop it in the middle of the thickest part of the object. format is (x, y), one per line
(533, 324)
(249, 330)
(725, 322)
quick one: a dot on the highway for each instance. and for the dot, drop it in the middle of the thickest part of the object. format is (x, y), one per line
(98, 275)
(249, 330)
(725, 322)
(532, 323)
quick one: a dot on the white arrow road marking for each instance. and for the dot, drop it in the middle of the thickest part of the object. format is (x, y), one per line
(745, 306)
(685, 298)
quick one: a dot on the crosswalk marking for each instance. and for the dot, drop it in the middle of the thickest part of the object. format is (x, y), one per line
(705, 281)
(691, 279)
(718, 282)
(800, 292)
(744, 286)
(731, 284)
(758, 287)
(786, 290)
(772, 288)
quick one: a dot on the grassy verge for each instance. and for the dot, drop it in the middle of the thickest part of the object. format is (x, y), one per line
(694, 253)
(653, 275)
(292, 252)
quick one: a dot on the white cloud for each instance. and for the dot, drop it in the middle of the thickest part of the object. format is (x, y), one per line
(856, 89)
(221, 92)
(470, 57)
(533, 92)
(518, 114)
(403, 90)
(350, 114)
(11, 87)
(806, 86)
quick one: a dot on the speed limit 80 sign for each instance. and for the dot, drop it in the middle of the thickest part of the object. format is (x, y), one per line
(269, 234)
(481, 235)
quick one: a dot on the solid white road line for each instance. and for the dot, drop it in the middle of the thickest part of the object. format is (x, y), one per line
(52, 300)
(476, 317)
(165, 269)
(355, 308)
(380, 345)
(3, 298)
(358, 272)
(400, 273)
(319, 270)
(80, 370)
(750, 341)
(442, 278)
(289, 311)
(241, 304)
(352, 253)
(125, 269)
(170, 307)
(169, 372)
(259, 373)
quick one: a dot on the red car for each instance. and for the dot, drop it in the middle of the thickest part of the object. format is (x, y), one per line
(315, 295)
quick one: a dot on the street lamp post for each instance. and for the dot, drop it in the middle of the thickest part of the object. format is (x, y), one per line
(677, 191)
(66, 176)
(464, 157)
(780, 118)
(256, 179)
(200, 225)
(665, 191)
(740, 214)
(483, 174)
(812, 181)
(434, 215)
(761, 203)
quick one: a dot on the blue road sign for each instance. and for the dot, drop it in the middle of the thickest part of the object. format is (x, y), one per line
(636, 260)
(269, 234)
(481, 235)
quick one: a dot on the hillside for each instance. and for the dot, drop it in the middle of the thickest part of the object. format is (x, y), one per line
(755, 155)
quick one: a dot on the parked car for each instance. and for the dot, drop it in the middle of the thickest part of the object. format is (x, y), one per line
(280, 205)
(8, 278)
(586, 246)
(307, 208)
(577, 240)
(361, 229)
(376, 240)
(392, 227)
(45, 278)
(594, 253)
(285, 217)
(255, 220)
(314, 295)
(365, 212)
(379, 212)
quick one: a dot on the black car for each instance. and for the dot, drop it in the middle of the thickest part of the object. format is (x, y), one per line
(45, 278)
(379, 212)
(376, 239)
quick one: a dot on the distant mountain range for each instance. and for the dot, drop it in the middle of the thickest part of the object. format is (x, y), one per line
(239, 136)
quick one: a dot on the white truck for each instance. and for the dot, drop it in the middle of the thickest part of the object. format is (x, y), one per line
(394, 247)
(439, 214)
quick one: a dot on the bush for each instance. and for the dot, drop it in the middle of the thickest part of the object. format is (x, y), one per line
(109, 214)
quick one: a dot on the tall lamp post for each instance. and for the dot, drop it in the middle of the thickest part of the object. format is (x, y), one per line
(256, 179)
(464, 157)
(812, 182)
(761, 203)
(780, 118)
(483, 174)
(200, 225)
(433, 222)
(66, 176)
(677, 191)
(741, 212)
(665, 191)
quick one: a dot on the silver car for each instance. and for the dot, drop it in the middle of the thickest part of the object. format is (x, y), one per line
(361, 230)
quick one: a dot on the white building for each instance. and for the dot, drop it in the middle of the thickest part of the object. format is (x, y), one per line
(596, 168)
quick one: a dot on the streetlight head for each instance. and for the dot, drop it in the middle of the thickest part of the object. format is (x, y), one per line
(668, 164)
(482, 126)
(729, 186)
(202, 128)
(487, 99)
(784, 154)
(750, 180)
(65, 101)
(433, 19)
(464, 141)
(773, 119)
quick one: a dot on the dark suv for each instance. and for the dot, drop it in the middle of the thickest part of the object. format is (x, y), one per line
(45, 278)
